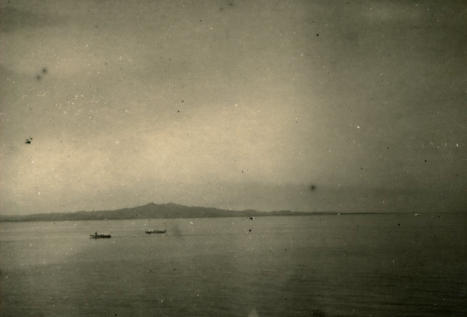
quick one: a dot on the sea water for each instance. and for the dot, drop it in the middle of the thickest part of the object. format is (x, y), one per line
(331, 265)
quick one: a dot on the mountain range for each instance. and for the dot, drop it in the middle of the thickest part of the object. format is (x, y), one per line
(148, 211)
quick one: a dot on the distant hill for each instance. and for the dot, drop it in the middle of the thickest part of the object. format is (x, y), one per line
(148, 211)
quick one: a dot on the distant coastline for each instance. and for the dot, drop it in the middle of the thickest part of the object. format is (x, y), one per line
(159, 211)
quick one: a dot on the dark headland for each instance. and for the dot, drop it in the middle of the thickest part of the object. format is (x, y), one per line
(152, 210)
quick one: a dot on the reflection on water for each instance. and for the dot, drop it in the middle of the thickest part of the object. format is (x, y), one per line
(355, 265)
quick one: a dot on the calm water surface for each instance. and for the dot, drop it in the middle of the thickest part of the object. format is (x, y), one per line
(349, 265)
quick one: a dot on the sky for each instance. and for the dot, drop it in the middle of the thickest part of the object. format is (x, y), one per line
(269, 105)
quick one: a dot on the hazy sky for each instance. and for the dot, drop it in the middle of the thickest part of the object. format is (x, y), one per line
(233, 104)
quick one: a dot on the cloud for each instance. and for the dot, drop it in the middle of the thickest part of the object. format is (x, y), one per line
(426, 14)
(393, 12)
(12, 19)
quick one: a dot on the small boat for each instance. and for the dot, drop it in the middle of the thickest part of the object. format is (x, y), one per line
(150, 231)
(100, 236)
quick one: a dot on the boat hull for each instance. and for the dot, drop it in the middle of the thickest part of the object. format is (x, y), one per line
(100, 236)
(155, 231)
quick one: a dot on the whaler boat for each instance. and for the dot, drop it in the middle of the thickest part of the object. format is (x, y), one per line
(100, 236)
(150, 231)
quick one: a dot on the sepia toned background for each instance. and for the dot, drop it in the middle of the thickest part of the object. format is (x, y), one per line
(233, 104)
(353, 108)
